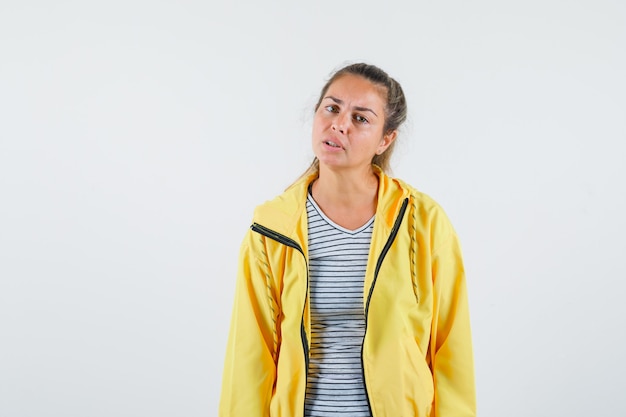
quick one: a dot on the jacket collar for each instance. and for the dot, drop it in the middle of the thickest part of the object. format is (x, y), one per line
(283, 213)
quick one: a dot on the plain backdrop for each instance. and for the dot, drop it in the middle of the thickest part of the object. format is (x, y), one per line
(136, 137)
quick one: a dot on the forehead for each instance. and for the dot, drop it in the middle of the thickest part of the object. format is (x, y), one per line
(358, 90)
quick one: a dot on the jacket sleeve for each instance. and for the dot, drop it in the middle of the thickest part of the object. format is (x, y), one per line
(451, 353)
(249, 367)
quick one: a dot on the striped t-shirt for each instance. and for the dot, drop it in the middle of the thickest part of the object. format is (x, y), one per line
(337, 262)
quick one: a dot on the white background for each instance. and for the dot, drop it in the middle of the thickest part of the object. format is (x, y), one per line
(136, 138)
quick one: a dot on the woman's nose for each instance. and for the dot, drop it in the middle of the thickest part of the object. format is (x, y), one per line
(339, 124)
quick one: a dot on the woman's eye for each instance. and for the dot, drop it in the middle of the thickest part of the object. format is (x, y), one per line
(360, 119)
(331, 108)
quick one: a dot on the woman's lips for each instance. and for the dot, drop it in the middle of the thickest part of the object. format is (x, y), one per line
(332, 144)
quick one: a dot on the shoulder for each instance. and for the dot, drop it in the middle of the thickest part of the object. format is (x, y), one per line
(283, 212)
(426, 213)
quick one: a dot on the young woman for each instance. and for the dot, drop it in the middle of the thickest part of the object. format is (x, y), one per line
(350, 296)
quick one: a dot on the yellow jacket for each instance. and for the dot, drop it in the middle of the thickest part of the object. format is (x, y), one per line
(417, 351)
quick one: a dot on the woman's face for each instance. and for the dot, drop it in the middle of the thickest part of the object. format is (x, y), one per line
(348, 124)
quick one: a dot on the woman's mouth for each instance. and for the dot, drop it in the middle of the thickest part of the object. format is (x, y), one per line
(332, 144)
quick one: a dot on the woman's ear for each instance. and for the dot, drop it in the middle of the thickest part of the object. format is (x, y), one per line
(387, 140)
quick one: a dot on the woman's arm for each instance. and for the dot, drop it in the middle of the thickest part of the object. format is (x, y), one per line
(451, 353)
(249, 368)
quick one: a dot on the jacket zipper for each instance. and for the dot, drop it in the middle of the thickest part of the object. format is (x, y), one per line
(383, 253)
(293, 244)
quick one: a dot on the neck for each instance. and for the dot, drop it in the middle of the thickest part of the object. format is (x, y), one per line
(346, 188)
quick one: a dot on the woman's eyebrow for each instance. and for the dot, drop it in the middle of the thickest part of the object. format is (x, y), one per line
(359, 108)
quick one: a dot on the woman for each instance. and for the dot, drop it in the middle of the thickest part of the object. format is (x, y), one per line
(350, 296)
